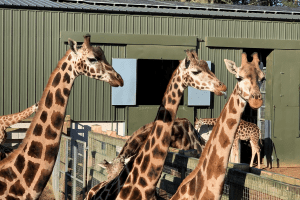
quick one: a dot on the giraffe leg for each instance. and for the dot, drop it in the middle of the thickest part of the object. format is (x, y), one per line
(254, 151)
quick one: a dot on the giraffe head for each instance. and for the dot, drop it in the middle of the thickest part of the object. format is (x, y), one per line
(195, 73)
(198, 123)
(248, 75)
(91, 61)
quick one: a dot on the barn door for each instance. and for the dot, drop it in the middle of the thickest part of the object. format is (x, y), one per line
(286, 92)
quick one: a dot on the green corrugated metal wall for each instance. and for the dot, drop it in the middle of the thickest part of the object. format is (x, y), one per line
(30, 47)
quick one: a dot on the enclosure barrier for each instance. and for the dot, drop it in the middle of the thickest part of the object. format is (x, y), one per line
(241, 183)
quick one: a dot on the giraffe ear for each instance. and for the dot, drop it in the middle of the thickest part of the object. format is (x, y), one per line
(73, 45)
(231, 66)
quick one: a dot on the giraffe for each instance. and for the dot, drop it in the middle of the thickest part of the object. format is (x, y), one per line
(8, 120)
(140, 176)
(184, 136)
(245, 131)
(207, 179)
(26, 171)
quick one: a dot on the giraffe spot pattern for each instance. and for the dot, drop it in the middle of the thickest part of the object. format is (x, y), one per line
(51, 152)
(147, 146)
(66, 77)
(70, 57)
(35, 149)
(28, 197)
(142, 182)
(224, 112)
(154, 172)
(216, 165)
(166, 139)
(224, 139)
(169, 99)
(49, 133)
(125, 192)
(175, 86)
(3, 187)
(17, 189)
(11, 198)
(66, 92)
(134, 144)
(192, 187)
(204, 164)
(59, 99)
(20, 163)
(38, 130)
(30, 172)
(231, 122)
(145, 163)
(152, 142)
(70, 68)
(56, 79)
(8, 174)
(231, 106)
(139, 158)
(183, 189)
(57, 120)
(136, 194)
(49, 100)
(200, 184)
(158, 153)
(173, 94)
(128, 180)
(64, 65)
(42, 181)
(208, 194)
(158, 131)
(44, 116)
(92, 70)
(135, 174)
(179, 93)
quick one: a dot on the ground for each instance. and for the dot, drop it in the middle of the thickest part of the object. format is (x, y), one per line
(288, 171)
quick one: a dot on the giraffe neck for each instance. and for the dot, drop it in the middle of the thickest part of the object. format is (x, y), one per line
(148, 165)
(207, 179)
(31, 165)
(8, 120)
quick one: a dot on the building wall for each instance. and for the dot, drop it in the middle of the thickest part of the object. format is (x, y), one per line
(30, 47)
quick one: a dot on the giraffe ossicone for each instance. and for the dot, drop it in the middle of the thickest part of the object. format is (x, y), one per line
(206, 181)
(26, 171)
(138, 179)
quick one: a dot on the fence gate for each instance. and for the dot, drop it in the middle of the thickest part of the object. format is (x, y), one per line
(69, 174)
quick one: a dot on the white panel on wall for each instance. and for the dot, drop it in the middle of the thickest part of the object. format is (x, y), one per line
(125, 95)
(199, 97)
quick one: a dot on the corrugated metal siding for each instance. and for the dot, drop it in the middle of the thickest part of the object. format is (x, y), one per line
(30, 48)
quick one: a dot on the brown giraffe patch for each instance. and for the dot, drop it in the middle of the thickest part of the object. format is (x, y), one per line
(204, 163)
(183, 189)
(242, 104)
(8, 174)
(125, 192)
(51, 152)
(59, 99)
(20, 163)
(92, 70)
(128, 179)
(35, 149)
(135, 175)
(66, 92)
(231, 106)
(166, 139)
(66, 77)
(28, 197)
(152, 141)
(139, 158)
(192, 187)
(49, 100)
(43, 116)
(70, 68)
(49, 133)
(57, 120)
(30, 172)
(64, 65)
(200, 184)
(154, 172)
(216, 165)
(145, 163)
(56, 79)
(158, 131)
(38, 130)
(17, 189)
(142, 182)
(3, 187)
(238, 101)
(208, 194)
(136, 194)
(147, 145)
(231, 122)
(70, 57)
(158, 153)
(11, 198)
(224, 139)
(134, 144)
(42, 181)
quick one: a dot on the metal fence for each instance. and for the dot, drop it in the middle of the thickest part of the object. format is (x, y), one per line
(69, 174)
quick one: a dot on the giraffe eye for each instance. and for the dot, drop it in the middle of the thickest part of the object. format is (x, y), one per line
(92, 60)
(196, 73)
